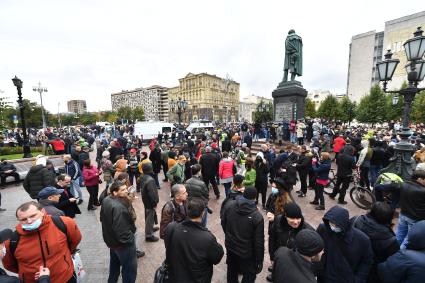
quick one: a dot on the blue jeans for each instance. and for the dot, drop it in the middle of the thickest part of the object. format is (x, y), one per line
(403, 227)
(227, 187)
(126, 257)
(293, 138)
(76, 189)
(374, 173)
(204, 218)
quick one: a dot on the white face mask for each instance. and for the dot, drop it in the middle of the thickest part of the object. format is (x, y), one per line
(274, 190)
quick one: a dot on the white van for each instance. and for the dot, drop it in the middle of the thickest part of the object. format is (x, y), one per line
(199, 126)
(150, 130)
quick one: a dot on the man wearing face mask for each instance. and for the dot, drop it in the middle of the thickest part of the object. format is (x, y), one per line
(295, 265)
(284, 229)
(39, 241)
(348, 254)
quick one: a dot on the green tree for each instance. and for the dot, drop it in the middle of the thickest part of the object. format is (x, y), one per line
(263, 113)
(346, 109)
(310, 108)
(87, 118)
(418, 108)
(124, 113)
(138, 114)
(372, 107)
(329, 108)
(112, 117)
(5, 109)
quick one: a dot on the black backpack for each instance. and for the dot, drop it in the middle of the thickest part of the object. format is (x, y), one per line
(14, 240)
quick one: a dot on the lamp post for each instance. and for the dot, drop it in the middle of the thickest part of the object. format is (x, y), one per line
(40, 90)
(402, 162)
(226, 82)
(18, 83)
(179, 108)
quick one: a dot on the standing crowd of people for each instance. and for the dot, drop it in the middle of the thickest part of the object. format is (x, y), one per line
(260, 186)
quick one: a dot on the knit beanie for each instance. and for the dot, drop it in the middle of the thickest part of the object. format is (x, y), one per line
(292, 210)
(309, 242)
(147, 168)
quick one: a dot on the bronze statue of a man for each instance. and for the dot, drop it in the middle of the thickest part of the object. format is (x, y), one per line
(293, 56)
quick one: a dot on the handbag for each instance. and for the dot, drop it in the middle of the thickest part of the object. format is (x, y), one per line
(162, 273)
(79, 270)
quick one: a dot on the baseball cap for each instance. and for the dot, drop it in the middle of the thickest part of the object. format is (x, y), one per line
(49, 191)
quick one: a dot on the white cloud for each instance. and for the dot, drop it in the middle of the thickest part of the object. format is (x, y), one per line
(85, 49)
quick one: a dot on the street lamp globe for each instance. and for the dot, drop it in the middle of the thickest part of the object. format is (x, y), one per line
(419, 67)
(184, 103)
(387, 67)
(17, 82)
(415, 47)
(395, 99)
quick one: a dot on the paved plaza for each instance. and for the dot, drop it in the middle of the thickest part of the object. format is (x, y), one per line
(95, 254)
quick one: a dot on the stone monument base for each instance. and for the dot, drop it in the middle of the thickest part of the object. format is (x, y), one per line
(289, 101)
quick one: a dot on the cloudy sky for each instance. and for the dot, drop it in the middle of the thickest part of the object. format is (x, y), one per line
(87, 49)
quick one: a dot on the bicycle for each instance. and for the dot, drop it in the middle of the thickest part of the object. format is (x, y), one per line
(328, 189)
(362, 197)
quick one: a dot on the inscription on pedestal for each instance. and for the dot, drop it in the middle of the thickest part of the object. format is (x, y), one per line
(283, 111)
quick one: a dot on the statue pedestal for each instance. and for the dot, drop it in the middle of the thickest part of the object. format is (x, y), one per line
(289, 101)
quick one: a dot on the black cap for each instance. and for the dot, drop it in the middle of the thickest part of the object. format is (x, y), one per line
(237, 179)
(309, 242)
(292, 210)
(5, 235)
(250, 193)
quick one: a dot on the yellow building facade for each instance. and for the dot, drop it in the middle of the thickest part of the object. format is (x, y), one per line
(209, 98)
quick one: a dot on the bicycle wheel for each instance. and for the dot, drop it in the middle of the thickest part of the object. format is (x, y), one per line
(328, 189)
(362, 197)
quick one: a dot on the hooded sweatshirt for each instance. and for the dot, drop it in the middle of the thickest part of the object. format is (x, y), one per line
(348, 254)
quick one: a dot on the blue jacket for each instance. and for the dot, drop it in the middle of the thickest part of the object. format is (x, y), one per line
(407, 266)
(72, 169)
(322, 169)
(348, 255)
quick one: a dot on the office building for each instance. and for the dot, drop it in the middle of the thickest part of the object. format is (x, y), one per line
(77, 106)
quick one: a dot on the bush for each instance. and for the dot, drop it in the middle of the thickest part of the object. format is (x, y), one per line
(6, 150)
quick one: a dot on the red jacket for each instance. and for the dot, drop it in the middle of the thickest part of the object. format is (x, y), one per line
(225, 168)
(58, 145)
(339, 143)
(47, 240)
(91, 177)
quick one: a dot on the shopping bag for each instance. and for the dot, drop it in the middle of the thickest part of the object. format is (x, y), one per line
(79, 270)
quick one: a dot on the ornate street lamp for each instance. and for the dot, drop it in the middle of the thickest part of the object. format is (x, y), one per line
(40, 89)
(402, 162)
(18, 84)
(178, 107)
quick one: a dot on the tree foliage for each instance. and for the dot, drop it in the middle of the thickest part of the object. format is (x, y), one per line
(418, 108)
(263, 113)
(310, 109)
(372, 108)
(347, 109)
(329, 108)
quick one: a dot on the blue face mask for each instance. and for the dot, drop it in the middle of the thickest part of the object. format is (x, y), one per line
(275, 190)
(33, 226)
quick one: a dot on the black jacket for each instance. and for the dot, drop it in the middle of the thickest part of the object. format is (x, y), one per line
(226, 145)
(49, 207)
(412, 198)
(384, 242)
(261, 170)
(227, 202)
(283, 235)
(155, 158)
(196, 188)
(290, 267)
(378, 156)
(346, 164)
(4, 278)
(303, 164)
(193, 250)
(149, 191)
(348, 255)
(209, 162)
(38, 178)
(243, 226)
(118, 227)
(69, 208)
